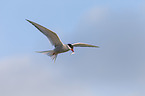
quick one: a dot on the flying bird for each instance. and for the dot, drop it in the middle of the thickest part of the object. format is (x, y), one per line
(57, 43)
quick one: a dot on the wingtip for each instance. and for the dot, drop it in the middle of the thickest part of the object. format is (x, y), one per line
(27, 20)
(30, 22)
(97, 47)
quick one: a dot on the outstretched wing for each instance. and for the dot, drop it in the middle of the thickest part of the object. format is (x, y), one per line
(83, 45)
(52, 36)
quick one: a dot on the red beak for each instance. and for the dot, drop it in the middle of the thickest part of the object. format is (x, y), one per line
(72, 50)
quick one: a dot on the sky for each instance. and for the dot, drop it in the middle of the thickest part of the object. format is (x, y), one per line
(114, 69)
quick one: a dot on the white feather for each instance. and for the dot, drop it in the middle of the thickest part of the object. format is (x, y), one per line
(84, 45)
(52, 36)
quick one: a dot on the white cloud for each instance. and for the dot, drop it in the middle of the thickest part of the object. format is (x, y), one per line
(23, 76)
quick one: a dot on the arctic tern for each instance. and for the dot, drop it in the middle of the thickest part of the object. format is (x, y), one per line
(56, 42)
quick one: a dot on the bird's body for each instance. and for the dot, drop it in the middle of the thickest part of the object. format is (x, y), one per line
(61, 49)
(56, 42)
(57, 50)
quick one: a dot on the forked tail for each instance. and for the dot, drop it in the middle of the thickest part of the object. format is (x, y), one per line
(50, 53)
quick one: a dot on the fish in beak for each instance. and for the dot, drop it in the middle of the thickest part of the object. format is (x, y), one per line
(72, 51)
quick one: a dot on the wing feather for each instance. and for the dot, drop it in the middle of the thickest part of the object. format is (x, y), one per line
(52, 36)
(84, 45)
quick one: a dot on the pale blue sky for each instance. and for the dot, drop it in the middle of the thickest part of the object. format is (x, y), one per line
(115, 69)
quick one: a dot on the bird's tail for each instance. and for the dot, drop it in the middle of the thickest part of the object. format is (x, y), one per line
(50, 53)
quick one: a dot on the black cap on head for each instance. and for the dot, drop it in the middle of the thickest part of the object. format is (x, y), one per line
(71, 46)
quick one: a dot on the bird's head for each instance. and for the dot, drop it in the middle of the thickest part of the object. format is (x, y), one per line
(70, 46)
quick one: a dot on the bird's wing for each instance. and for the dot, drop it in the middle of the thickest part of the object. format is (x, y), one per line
(83, 45)
(52, 36)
